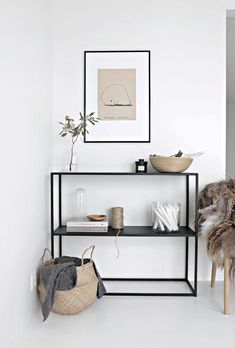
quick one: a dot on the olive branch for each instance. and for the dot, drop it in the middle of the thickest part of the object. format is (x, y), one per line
(75, 130)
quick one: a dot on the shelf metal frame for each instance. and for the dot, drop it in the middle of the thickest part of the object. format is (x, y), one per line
(136, 231)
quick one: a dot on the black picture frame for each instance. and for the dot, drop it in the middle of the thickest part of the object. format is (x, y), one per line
(148, 53)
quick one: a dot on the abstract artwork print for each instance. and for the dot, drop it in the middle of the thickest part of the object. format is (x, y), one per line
(116, 94)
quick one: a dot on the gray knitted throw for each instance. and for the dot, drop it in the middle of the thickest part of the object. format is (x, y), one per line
(56, 277)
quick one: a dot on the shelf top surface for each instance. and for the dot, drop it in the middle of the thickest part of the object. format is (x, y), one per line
(130, 231)
(123, 173)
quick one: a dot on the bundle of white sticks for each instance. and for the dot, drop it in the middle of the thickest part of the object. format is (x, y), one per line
(166, 215)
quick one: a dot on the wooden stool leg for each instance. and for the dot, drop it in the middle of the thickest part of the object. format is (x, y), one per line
(213, 274)
(226, 285)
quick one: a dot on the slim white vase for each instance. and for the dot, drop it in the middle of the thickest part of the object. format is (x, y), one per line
(73, 167)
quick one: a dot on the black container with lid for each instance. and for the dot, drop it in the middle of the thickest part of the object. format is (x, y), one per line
(141, 166)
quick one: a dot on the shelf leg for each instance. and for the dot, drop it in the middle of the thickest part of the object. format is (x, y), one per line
(196, 232)
(60, 202)
(195, 266)
(60, 246)
(52, 214)
(187, 200)
(186, 258)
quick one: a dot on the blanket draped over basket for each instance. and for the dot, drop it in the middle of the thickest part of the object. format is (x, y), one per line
(217, 221)
(69, 284)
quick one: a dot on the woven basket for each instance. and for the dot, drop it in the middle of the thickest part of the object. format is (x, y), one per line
(80, 297)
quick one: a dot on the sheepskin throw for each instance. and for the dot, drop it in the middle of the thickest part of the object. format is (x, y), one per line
(217, 220)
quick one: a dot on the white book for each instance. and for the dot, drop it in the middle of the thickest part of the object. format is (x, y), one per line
(87, 229)
(74, 222)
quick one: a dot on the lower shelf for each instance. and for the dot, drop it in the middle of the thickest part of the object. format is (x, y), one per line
(130, 231)
(149, 287)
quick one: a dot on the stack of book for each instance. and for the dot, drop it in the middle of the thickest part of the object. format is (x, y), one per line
(76, 225)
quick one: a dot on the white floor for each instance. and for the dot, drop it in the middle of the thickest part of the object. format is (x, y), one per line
(138, 322)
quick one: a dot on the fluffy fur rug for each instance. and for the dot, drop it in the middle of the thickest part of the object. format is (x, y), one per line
(217, 220)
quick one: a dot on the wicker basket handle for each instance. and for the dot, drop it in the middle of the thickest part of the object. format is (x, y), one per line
(92, 247)
(44, 254)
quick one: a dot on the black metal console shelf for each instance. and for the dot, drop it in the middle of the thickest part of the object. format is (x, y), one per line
(129, 231)
(135, 231)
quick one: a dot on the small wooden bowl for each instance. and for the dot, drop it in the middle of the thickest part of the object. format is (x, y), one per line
(96, 217)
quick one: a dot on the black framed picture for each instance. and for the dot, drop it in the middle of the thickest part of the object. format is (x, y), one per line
(117, 89)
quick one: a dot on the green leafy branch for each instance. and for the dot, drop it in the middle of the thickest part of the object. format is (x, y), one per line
(75, 130)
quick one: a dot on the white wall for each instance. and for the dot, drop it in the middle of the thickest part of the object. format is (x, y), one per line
(26, 158)
(187, 43)
(230, 142)
(187, 94)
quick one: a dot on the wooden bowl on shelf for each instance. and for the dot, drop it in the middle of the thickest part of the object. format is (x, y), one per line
(170, 164)
(96, 217)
